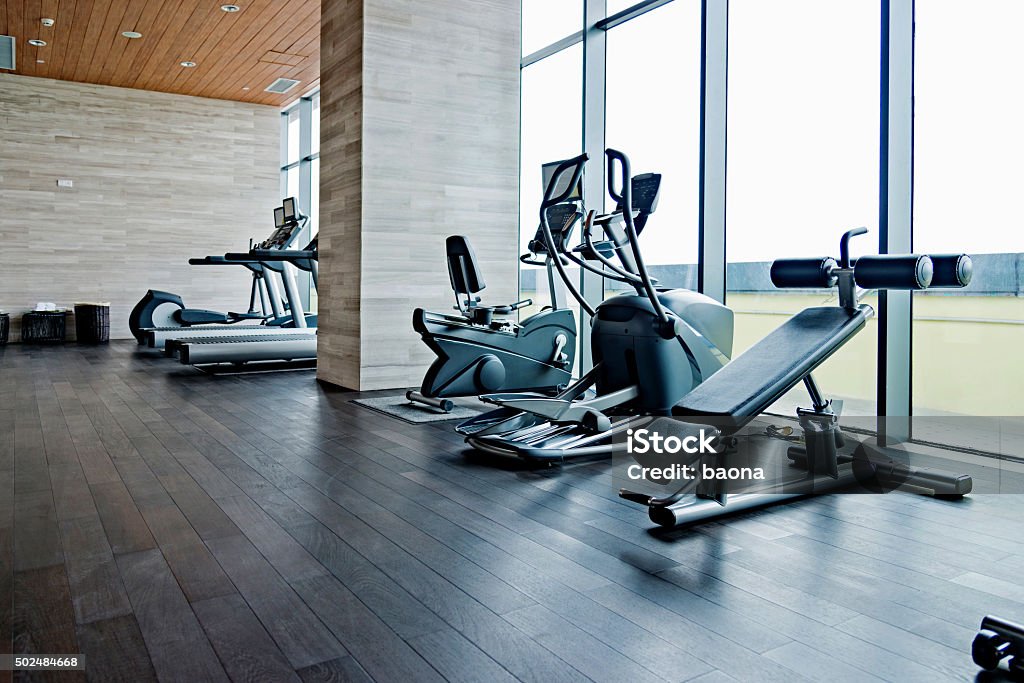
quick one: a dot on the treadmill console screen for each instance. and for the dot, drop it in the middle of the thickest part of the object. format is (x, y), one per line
(281, 238)
(285, 226)
(291, 212)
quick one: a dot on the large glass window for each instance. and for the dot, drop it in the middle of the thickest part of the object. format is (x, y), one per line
(802, 164)
(292, 182)
(552, 129)
(293, 127)
(547, 21)
(803, 129)
(615, 6)
(314, 209)
(968, 146)
(300, 172)
(657, 124)
(314, 121)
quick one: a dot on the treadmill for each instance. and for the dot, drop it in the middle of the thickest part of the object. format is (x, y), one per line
(288, 224)
(299, 345)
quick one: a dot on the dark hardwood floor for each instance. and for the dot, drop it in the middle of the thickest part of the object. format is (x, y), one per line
(178, 526)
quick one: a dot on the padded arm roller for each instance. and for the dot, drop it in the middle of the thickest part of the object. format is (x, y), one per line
(894, 271)
(951, 270)
(804, 272)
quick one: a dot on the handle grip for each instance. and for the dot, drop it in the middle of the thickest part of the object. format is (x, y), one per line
(844, 245)
(622, 195)
(894, 271)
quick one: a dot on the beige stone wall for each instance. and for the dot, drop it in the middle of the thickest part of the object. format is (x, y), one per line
(341, 193)
(420, 141)
(158, 179)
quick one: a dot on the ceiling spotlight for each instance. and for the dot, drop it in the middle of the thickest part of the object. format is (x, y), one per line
(37, 43)
(131, 34)
(230, 8)
(188, 65)
(40, 61)
(47, 22)
(245, 87)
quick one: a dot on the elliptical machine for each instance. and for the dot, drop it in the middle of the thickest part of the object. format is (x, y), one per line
(480, 350)
(650, 347)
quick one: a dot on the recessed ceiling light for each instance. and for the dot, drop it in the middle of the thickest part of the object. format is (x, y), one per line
(131, 34)
(37, 42)
(40, 61)
(188, 65)
(245, 87)
(230, 8)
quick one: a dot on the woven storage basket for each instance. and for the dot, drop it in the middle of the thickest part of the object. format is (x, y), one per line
(39, 327)
(92, 323)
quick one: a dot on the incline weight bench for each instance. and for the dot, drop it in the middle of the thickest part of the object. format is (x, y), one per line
(745, 388)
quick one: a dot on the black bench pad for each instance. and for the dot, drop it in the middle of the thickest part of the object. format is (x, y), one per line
(759, 376)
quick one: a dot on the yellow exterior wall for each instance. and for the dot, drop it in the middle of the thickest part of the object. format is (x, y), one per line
(968, 351)
(969, 355)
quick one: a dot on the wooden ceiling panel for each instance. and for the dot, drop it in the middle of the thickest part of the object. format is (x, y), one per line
(248, 73)
(237, 34)
(234, 52)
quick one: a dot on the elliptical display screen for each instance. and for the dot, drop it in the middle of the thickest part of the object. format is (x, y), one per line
(645, 190)
(548, 170)
(561, 217)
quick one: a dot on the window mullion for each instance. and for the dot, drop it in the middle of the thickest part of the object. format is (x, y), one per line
(714, 111)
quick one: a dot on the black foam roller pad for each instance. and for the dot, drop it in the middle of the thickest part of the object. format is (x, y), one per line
(951, 270)
(804, 272)
(894, 271)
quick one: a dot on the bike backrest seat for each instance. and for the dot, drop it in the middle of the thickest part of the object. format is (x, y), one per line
(462, 268)
(759, 376)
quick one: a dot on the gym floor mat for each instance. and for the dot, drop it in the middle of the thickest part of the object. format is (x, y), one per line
(400, 407)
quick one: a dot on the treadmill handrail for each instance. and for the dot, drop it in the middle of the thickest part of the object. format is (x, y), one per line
(260, 255)
(221, 261)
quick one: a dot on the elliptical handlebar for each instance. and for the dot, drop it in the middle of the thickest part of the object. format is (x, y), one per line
(530, 260)
(620, 188)
(624, 197)
(576, 164)
(620, 274)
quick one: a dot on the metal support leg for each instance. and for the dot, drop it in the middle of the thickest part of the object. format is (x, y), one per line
(274, 294)
(292, 293)
(264, 298)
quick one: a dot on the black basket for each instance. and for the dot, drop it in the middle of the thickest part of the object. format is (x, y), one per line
(5, 328)
(92, 323)
(38, 327)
